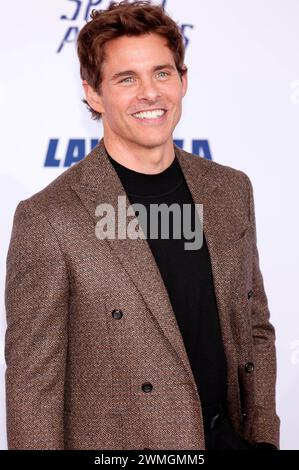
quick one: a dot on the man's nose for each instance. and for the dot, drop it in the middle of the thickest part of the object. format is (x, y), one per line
(148, 90)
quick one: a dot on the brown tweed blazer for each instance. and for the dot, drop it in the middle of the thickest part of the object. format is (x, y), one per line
(75, 372)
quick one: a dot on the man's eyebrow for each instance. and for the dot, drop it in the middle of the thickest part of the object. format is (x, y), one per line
(133, 72)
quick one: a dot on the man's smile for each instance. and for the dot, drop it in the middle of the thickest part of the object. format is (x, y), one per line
(152, 116)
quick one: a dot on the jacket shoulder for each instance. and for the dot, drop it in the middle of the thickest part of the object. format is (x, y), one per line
(56, 192)
(225, 173)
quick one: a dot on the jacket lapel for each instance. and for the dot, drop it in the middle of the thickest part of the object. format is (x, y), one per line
(99, 183)
(207, 187)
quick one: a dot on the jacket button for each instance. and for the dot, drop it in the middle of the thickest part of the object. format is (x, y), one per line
(249, 367)
(117, 314)
(250, 294)
(147, 387)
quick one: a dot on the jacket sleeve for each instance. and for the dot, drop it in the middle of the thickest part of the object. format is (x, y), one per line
(266, 423)
(36, 302)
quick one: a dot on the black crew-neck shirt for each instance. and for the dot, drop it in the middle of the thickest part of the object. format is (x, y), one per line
(187, 275)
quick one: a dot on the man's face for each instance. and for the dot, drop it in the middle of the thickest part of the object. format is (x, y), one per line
(141, 91)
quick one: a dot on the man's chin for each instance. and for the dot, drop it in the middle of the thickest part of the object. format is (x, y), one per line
(151, 143)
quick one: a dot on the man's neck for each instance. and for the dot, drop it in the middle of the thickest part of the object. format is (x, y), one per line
(141, 159)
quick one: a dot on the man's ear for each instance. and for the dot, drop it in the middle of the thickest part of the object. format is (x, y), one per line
(92, 97)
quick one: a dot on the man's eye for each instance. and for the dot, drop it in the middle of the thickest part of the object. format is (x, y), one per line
(127, 80)
(163, 74)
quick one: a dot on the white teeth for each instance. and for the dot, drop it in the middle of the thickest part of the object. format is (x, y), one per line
(150, 114)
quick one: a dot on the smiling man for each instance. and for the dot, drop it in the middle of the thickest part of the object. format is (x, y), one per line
(140, 100)
(121, 342)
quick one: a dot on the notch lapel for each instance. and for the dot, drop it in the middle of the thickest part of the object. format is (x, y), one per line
(99, 183)
(224, 235)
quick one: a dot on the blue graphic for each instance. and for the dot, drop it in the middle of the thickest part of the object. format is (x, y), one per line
(80, 12)
(77, 149)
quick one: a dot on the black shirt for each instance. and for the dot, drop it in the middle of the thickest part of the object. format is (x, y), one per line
(187, 276)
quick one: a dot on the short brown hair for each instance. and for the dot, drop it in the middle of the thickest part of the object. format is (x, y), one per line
(123, 19)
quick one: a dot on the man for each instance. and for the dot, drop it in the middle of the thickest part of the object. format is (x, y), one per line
(132, 342)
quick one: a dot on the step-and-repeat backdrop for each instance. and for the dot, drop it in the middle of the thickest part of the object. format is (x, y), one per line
(241, 110)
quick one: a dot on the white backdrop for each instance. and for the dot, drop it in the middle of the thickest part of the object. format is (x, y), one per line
(242, 110)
